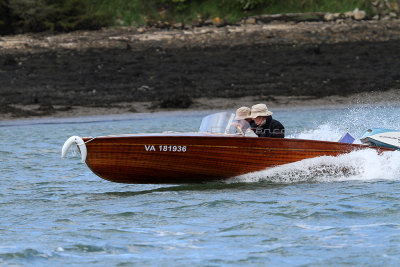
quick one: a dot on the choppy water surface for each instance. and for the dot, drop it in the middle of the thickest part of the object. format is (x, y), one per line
(319, 212)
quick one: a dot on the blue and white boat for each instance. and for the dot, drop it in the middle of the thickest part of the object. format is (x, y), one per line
(382, 138)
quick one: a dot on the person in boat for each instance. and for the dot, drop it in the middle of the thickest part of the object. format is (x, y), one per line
(263, 124)
(242, 119)
(243, 113)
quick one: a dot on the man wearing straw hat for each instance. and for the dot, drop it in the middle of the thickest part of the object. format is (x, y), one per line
(263, 124)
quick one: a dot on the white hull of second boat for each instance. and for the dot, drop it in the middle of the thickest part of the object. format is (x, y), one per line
(382, 138)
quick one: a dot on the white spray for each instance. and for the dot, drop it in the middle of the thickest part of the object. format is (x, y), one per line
(363, 165)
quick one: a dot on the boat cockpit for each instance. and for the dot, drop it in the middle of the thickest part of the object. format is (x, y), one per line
(225, 123)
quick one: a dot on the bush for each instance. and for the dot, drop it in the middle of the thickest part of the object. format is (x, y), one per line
(5, 17)
(41, 15)
(68, 15)
(29, 15)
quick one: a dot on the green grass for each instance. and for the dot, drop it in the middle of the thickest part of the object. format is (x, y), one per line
(65, 15)
(140, 12)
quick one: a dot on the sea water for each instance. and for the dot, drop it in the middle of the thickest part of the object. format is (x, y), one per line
(327, 211)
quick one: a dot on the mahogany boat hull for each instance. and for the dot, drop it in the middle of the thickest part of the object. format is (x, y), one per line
(164, 159)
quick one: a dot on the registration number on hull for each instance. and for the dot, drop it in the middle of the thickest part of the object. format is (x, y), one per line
(165, 148)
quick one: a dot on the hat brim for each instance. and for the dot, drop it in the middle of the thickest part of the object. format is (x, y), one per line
(261, 114)
(238, 118)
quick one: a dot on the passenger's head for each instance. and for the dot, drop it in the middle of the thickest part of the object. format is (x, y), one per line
(259, 113)
(243, 113)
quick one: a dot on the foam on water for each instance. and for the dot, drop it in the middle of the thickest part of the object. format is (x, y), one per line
(358, 119)
(363, 165)
(324, 132)
(355, 120)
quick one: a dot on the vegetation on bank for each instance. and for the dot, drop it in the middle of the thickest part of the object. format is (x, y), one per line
(18, 16)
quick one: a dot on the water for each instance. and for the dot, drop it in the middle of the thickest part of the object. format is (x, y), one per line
(319, 212)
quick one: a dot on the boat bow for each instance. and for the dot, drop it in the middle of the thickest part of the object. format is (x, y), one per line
(79, 143)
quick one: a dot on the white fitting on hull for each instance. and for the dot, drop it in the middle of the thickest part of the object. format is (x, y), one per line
(79, 142)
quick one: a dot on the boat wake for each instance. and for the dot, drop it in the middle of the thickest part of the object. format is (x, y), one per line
(358, 165)
(364, 165)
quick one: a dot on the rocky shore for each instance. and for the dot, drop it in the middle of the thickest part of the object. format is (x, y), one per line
(119, 70)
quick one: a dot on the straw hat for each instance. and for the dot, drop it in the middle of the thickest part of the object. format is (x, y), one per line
(243, 113)
(260, 110)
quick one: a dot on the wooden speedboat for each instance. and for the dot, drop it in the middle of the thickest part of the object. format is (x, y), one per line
(194, 157)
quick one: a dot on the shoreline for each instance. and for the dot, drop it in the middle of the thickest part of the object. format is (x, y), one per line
(142, 38)
(135, 70)
(387, 98)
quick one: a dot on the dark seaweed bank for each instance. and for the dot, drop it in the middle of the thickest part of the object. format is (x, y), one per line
(173, 77)
(175, 69)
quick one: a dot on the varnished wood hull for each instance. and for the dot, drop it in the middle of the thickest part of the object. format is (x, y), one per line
(195, 159)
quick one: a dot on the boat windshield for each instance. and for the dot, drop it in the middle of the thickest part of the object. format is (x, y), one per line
(225, 123)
